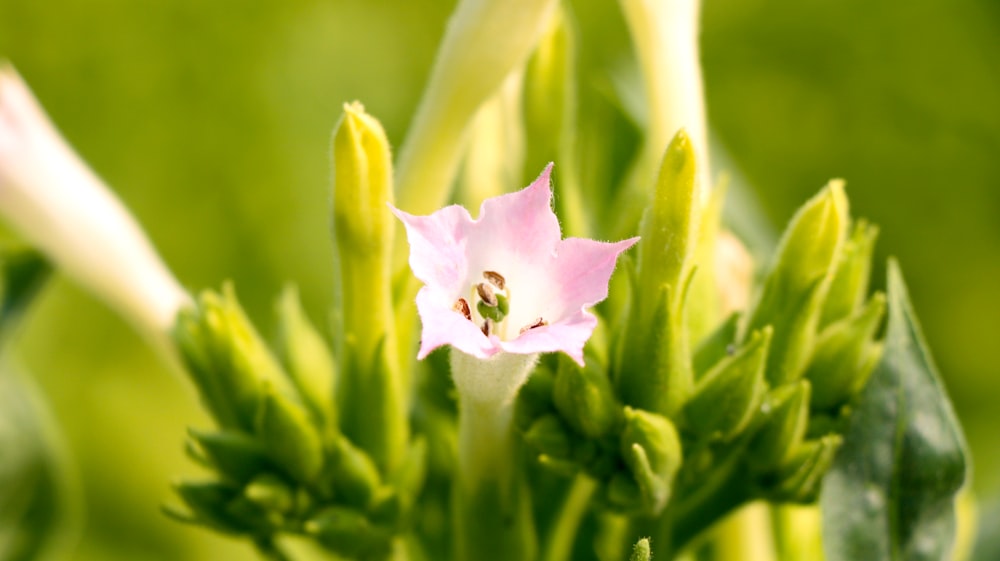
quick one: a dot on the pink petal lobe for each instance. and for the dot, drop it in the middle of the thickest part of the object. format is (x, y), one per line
(582, 270)
(438, 246)
(522, 224)
(568, 335)
(444, 326)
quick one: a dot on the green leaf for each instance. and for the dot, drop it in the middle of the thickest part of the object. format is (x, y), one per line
(890, 494)
(40, 513)
(22, 273)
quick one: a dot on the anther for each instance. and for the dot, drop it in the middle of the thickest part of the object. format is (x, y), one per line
(486, 327)
(462, 307)
(495, 278)
(538, 323)
(486, 293)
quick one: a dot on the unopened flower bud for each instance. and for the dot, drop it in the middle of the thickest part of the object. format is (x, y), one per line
(235, 455)
(843, 359)
(849, 286)
(353, 474)
(348, 532)
(270, 492)
(227, 359)
(794, 288)
(585, 399)
(307, 358)
(786, 414)
(549, 437)
(652, 451)
(799, 480)
(288, 437)
(727, 397)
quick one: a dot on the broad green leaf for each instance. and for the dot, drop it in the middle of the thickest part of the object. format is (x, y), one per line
(890, 494)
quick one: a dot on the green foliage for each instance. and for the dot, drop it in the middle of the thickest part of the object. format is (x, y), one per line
(22, 273)
(39, 511)
(891, 492)
(289, 469)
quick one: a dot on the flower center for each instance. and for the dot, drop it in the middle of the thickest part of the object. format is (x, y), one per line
(492, 301)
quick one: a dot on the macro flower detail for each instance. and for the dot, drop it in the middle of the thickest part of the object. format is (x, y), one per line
(507, 281)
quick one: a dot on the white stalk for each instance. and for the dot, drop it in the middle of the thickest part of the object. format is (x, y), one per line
(487, 389)
(485, 41)
(51, 199)
(665, 35)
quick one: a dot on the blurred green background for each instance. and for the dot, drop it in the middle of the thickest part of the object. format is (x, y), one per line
(212, 120)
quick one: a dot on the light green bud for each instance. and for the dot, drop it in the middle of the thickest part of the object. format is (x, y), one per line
(362, 185)
(657, 374)
(669, 230)
(307, 359)
(651, 449)
(372, 386)
(227, 359)
(655, 368)
(235, 455)
(353, 475)
(800, 478)
(849, 286)
(718, 345)
(727, 397)
(349, 533)
(584, 398)
(549, 437)
(289, 439)
(797, 282)
(843, 359)
(270, 492)
(786, 418)
(641, 551)
(208, 502)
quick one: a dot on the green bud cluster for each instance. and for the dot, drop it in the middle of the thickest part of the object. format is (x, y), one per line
(684, 429)
(279, 460)
(573, 423)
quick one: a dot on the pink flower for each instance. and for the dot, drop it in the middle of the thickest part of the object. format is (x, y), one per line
(507, 282)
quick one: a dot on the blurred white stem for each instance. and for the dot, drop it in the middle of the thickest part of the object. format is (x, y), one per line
(494, 156)
(665, 34)
(51, 199)
(485, 41)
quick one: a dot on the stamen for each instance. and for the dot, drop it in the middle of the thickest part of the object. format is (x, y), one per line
(538, 323)
(462, 307)
(486, 327)
(486, 293)
(495, 278)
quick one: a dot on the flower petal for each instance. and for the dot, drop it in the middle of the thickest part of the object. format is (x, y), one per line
(568, 335)
(581, 272)
(444, 326)
(521, 226)
(438, 246)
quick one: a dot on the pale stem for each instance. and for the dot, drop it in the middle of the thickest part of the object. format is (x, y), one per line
(57, 204)
(665, 34)
(491, 506)
(484, 42)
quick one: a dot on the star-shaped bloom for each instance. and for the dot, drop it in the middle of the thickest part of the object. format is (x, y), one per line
(507, 281)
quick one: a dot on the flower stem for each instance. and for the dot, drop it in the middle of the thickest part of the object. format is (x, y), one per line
(559, 546)
(492, 510)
